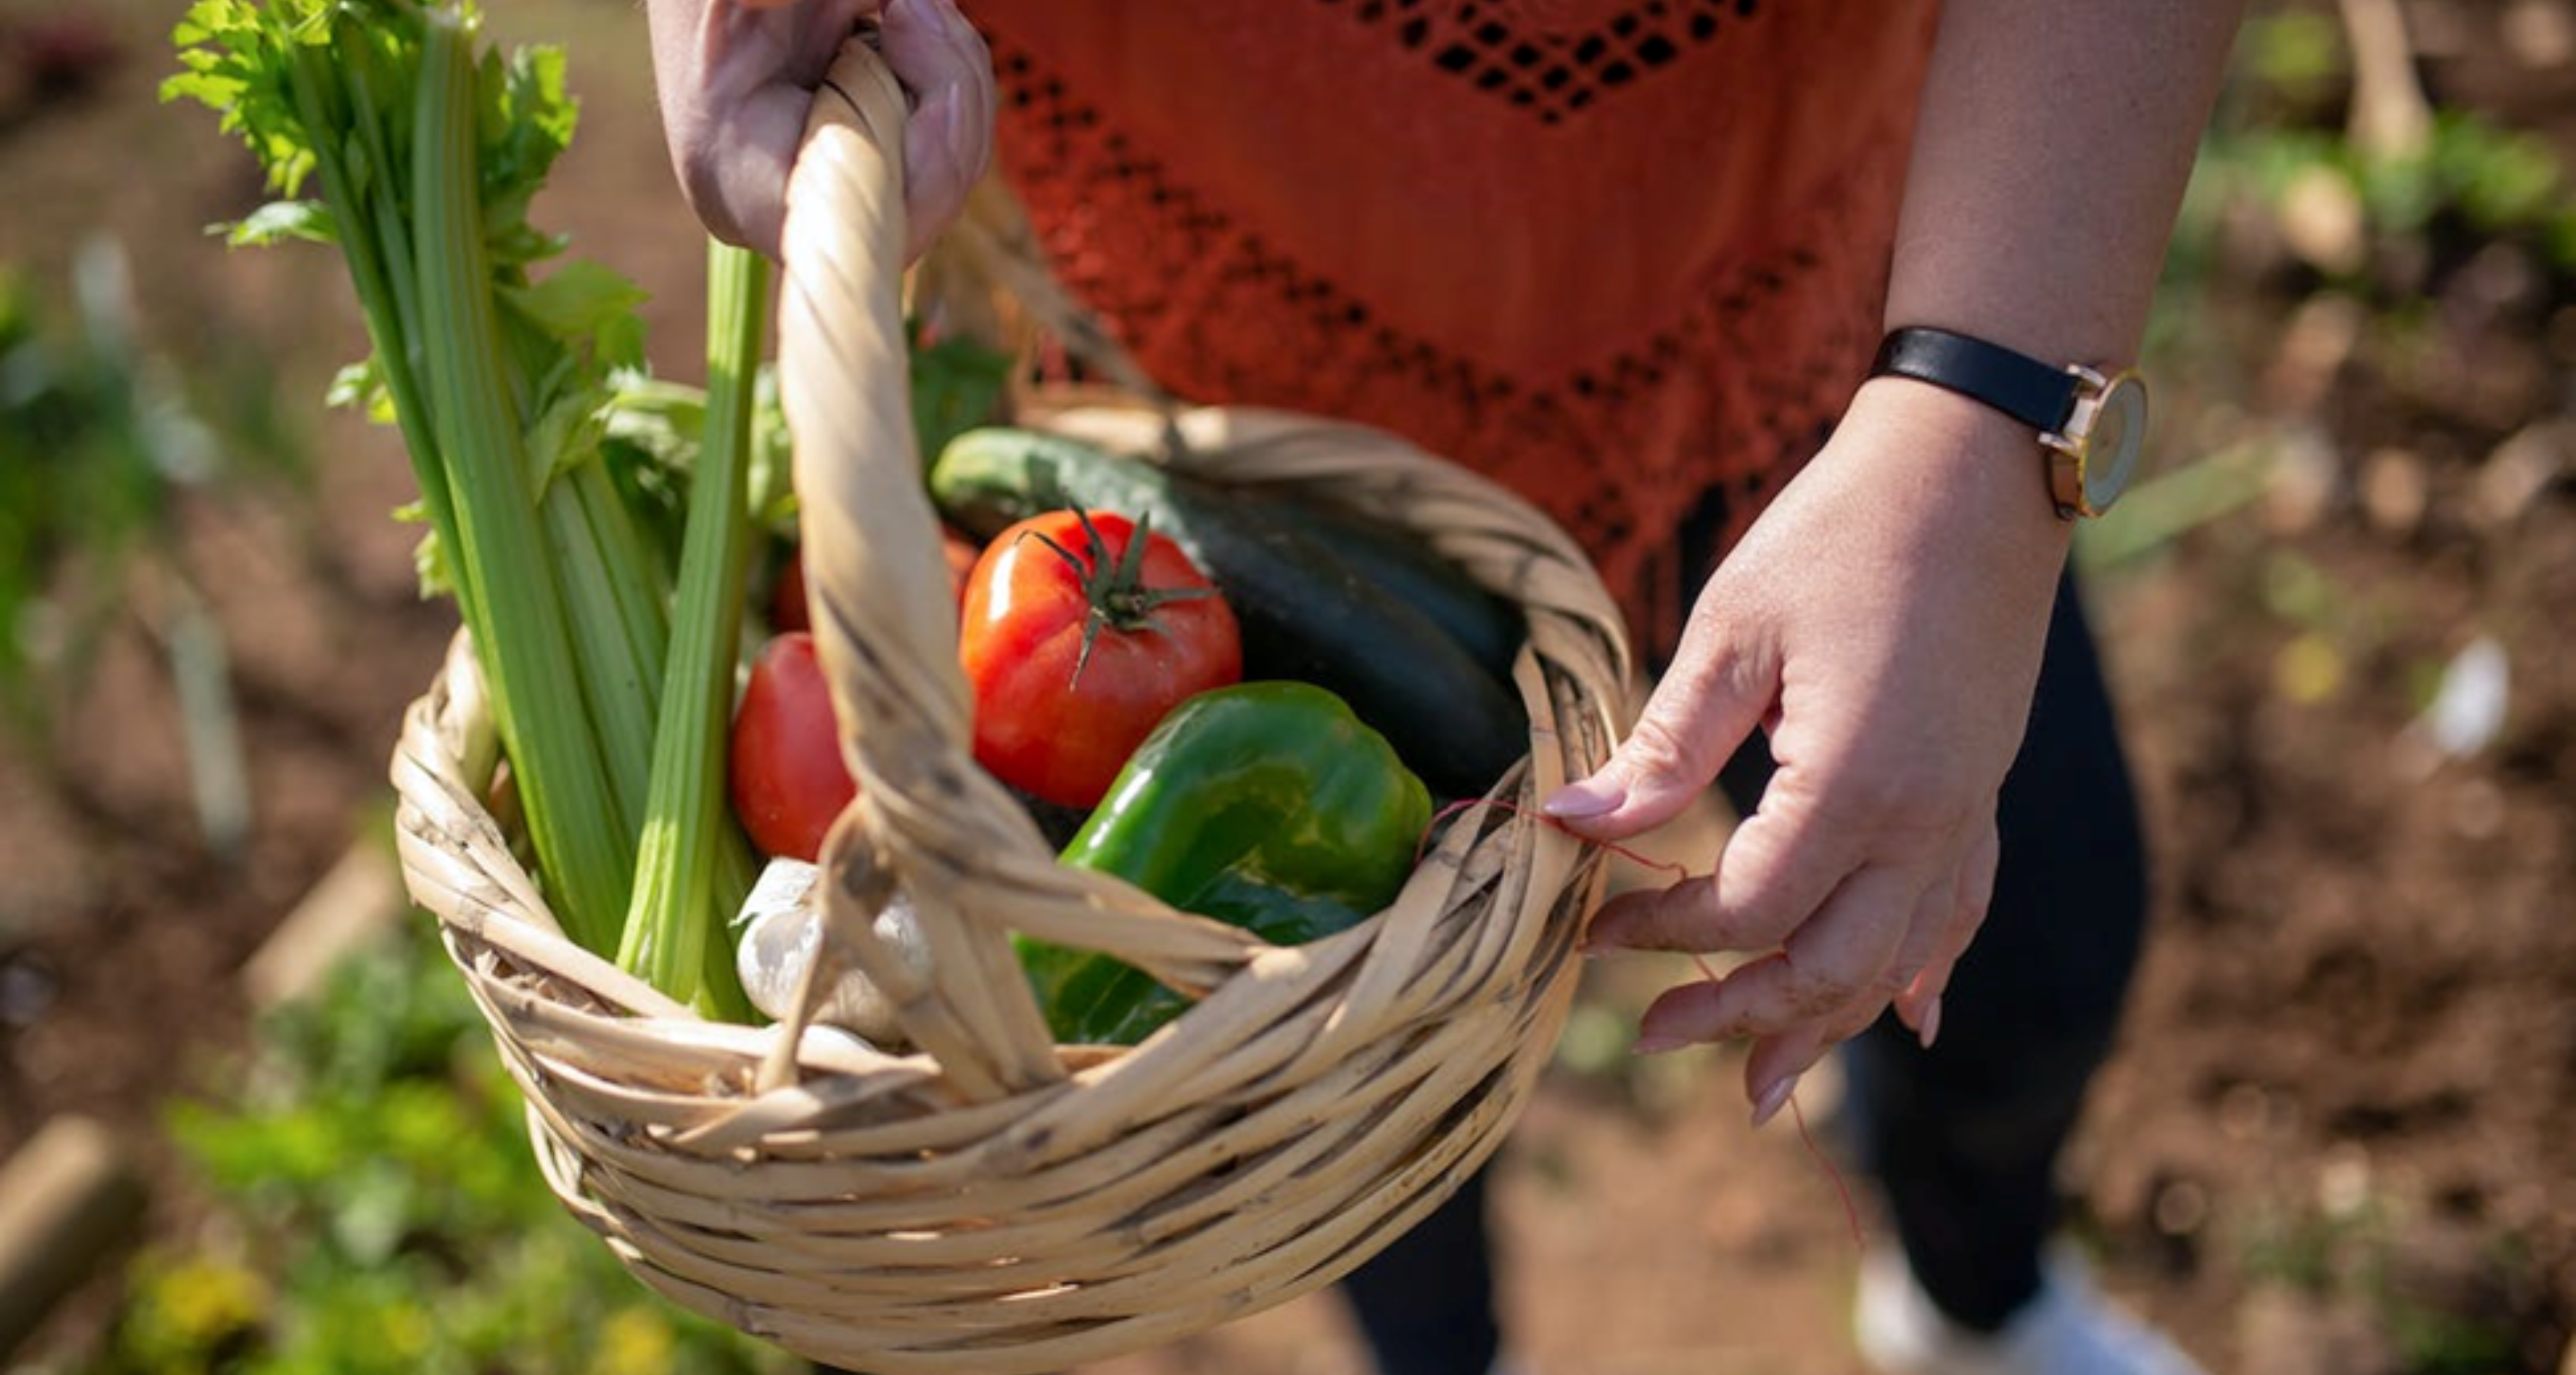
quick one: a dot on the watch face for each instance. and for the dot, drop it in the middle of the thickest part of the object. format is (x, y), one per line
(2112, 444)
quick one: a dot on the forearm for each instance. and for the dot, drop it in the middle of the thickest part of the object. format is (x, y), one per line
(2054, 143)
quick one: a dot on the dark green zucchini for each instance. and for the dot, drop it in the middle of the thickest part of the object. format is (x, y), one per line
(1309, 608)
(1396, 563)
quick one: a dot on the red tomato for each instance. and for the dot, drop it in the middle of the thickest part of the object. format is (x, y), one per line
(1076, 644)
(787, 610)
(785, 767)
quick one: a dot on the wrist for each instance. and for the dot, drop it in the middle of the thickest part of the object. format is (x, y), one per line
(2091, 425)
(1976, 466)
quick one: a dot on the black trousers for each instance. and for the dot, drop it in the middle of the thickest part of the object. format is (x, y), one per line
(1962, 1139)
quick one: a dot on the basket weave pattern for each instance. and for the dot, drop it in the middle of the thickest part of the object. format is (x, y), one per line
(991, 1202)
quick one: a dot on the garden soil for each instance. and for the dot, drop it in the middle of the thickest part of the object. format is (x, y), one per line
(2336, 1135)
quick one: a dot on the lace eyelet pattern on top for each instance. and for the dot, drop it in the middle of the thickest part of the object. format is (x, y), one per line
(1551, 58)
(1627, 258)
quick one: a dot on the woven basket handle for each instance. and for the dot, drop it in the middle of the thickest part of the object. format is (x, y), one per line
(926, 817)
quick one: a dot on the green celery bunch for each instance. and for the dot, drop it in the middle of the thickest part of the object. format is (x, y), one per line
(427, 154)
(695, 868)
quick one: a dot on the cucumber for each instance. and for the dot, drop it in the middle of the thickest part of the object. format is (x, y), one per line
(1309, 608)
(1396, 563)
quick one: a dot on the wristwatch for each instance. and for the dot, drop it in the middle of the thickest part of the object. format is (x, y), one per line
(2091, 426)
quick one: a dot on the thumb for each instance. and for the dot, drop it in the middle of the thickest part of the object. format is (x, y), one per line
(1708, 702)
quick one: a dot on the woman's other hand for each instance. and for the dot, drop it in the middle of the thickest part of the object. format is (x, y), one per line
(1883, 621)
(736, 78)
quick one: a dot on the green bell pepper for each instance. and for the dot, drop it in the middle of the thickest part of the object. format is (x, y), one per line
(1267, 805)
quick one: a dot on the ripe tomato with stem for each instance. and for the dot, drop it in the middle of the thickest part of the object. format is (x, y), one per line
(1081, 629)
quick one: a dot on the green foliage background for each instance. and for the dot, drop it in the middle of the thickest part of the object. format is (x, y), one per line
(376, 1209)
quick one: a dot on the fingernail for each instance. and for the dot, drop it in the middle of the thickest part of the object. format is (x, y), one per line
(1773, 1099)
(1656, 1045)
(1931, 1028)
(1590, 797)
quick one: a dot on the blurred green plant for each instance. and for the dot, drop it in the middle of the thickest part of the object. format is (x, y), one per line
(101, 440)
(2302, 195)
(2293, 60)
(2352, 1253)
(376, 1209)
(2279, 142)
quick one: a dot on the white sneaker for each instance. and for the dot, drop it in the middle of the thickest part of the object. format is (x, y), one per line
(2069, 1328)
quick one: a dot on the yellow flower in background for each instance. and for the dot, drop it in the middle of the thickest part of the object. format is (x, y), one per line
(407, 1330)
(204, 1301)
(634, 1341)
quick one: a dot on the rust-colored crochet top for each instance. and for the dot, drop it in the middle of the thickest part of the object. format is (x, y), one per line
(1627, 256)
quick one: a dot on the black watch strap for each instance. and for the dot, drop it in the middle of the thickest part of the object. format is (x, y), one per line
(2017, 384)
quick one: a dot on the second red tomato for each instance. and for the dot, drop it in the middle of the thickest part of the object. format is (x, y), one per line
(783, 762)
(1077, 638)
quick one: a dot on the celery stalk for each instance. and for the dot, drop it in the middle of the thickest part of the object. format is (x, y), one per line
(687, 828)
(737, 870)
(618, 637)
(525, 644)
(381, 271)
(639, 585)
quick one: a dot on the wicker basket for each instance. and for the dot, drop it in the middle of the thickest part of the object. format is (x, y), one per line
(996, 1203)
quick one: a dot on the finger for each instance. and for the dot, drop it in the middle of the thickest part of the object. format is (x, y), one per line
(740, 188)
(1833, 960)
(1824, 815)
(934, 187)
(821, 29)
(1973, 896)
(1671, 918)
(1927, 937)
(1776, 869)
(949, 141)
(1704, 708)
(1779, 866)
(931, 46)
(1874, 996)
(1772, 1069)
(734, 99)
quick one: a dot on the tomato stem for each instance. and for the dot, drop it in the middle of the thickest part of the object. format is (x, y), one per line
(1114, 587)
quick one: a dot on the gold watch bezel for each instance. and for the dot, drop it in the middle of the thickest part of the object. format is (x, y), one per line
(2081, 487)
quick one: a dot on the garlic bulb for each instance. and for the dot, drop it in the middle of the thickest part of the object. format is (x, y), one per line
(782, 933)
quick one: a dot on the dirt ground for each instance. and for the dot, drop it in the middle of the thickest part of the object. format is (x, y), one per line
(2337, 1134)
